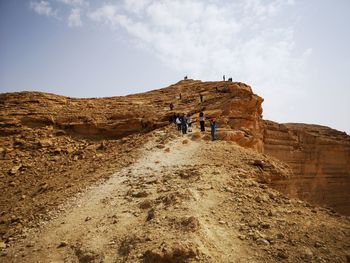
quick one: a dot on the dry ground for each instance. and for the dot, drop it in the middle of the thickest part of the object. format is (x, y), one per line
(185, 199)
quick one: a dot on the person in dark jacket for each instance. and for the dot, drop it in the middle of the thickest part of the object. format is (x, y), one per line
(213, 129)
(184, 124)
(201, 121)
(178, 122)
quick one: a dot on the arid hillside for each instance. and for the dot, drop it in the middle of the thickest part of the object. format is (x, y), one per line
(110, 180)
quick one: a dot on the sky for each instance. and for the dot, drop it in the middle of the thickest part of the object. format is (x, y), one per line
(293, 53)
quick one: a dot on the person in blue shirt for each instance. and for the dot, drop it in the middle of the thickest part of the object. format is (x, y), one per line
(213, 129)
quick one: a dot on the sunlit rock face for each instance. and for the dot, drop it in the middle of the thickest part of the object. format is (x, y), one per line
(320, 159)
(235, 107)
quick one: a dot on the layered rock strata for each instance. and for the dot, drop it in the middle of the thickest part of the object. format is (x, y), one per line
(319, 158)
(234, 105)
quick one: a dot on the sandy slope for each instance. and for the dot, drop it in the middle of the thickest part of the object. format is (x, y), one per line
(186, 200)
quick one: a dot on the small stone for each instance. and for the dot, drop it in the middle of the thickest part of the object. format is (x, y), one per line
(282, 254)
(318, 244)
(62, 244)
(2, 245)
(30, 244)
(222, 222)
(265, 225)
(280, 236)
(308, 254)
(272, 213)
(88, 218)
(242, 237)
(262, 241)
(150, 214)
(15, 169)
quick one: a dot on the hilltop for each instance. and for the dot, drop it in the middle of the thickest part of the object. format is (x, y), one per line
(109, 180)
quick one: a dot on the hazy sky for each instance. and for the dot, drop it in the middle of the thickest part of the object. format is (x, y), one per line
(294, 53)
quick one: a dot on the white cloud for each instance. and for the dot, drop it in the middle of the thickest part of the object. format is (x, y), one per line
(107, 15)
(75, 2)
(74, 19)
(206, 39)
(43, 8)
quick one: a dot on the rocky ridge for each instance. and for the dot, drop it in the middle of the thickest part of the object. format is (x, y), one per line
(183, 202)
(53, 147)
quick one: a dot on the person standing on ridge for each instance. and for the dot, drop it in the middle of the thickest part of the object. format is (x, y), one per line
(184, 124)
(201, 121)
(223, 77)
(201, 97)
(180, 96)
(171, 106)
(189, 123)
(178, 122)
(213, 129)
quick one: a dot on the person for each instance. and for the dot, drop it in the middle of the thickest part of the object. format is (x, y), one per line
(171, 106)
(174, 118)
(178, 123)
(213, 129)
(184, 124)
(189, 123)
(185, 78)
(201, 97)
(180, 96)
(223, 77)
(201, 121)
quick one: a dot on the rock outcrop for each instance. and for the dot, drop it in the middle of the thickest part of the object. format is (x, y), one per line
(233, 104)
(319, 158)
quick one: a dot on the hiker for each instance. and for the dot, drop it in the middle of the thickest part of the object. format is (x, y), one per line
(213, 129)
(185, 78)
(180, 96)
(201, 97)
(201, 121)
(178, 123)
(189, 123)
(183, 120)
(223, 77)
(230, 80)
(174, 119)
(171, 106)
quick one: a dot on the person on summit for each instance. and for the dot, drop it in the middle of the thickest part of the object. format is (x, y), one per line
(213, 129)
(223, 77)
(201, 121)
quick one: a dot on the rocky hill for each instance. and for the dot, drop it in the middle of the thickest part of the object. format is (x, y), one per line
(194, 200)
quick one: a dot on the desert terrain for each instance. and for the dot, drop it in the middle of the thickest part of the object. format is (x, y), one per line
(111, 180)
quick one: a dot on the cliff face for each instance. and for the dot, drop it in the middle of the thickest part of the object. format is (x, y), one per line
(320, 159)
(234, 105)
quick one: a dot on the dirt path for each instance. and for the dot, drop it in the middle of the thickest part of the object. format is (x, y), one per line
(186, 200)
(132, 212)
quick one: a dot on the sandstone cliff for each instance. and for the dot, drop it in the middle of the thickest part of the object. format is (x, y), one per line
(320, 159)
(52, 148)
(237, 109)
